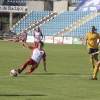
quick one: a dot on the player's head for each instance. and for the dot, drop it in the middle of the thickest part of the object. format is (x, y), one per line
(93, 28)
(37, 29)
(41, 44)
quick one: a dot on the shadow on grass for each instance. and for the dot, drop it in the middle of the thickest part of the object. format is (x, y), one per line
(45, 73)
(62, 74)
(22, 95)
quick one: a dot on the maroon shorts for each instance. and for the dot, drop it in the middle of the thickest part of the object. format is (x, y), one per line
(32, 62)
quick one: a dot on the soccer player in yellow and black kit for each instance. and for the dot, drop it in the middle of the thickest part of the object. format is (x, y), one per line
(96, 69)
(92, 44)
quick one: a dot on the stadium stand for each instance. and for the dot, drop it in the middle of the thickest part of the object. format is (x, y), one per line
(61, 21)
(85, 28)
(30, 33)
(30, 19)
(76, 1)
(16, 1)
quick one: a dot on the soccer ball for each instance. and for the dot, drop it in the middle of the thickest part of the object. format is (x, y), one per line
(13, 72)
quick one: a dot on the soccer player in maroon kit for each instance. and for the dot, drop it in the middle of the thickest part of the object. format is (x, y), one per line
(35, 58)
(37, 36)
(24, 37)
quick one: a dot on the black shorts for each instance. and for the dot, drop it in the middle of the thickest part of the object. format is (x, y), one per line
(90, 51)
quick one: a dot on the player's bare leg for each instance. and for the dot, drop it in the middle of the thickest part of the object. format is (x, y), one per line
(28, 62)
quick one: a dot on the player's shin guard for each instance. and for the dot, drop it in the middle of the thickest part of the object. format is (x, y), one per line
(95, 72)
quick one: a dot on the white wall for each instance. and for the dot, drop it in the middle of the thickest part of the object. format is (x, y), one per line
(41, 5)
(35, 5)
(59, 6)
(71, 8)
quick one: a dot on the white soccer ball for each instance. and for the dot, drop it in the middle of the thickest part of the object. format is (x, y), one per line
(13, 72)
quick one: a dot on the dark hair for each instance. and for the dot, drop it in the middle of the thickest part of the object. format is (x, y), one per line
(41, 43)
(94, 28)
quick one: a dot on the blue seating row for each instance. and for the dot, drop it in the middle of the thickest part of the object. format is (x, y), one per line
(83, 29)
(16, 1)
(63, 20)
(28, 20)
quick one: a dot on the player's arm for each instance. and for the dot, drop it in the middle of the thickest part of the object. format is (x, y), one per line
(98, 42)
(99, 39)
(26, 35)
(35, 35)
(96, 53)
(41, 35)
(86, 39)
(44, 62)
(30, 47)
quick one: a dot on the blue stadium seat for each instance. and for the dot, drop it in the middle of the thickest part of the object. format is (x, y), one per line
(63, 20)
(30, 19)
(83, 29)
(76, 1)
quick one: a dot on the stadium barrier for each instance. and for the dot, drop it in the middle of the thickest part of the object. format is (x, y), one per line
(59, 40)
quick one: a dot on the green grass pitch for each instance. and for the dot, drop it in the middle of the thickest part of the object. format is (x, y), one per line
(68, 76)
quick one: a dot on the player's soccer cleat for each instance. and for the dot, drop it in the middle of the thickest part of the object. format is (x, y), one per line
(93, 78)
(19, 71)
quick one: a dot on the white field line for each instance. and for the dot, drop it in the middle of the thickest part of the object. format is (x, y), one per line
(82, 75)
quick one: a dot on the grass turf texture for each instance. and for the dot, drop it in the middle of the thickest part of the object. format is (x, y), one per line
(68, 76)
